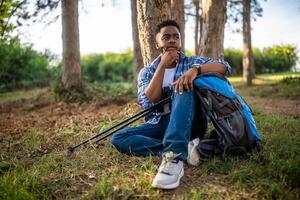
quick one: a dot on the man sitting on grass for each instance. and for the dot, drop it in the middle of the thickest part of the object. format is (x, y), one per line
(169, 132)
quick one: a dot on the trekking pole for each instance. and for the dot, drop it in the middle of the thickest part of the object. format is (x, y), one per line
(105, 136)
(126, 122)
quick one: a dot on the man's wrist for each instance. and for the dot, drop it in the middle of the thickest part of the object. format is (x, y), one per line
(198, 68)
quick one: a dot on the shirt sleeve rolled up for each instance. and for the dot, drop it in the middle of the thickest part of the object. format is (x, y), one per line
(144, 79)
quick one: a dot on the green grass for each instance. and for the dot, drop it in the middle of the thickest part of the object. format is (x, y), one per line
(27, 171)
(265, 78)
(274, 172)
(17, 184)
(31, 142)
(21, 95)
(115, 90)
(277, 76)
(103, 173)
(120, 91)
(124, 91)
(288, 87)
(279, 85)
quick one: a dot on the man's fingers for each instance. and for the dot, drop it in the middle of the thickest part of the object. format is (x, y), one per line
(191, 85)
(169, 57)
(174, 83)
(180, 86)
(176, 58)
(185, 82)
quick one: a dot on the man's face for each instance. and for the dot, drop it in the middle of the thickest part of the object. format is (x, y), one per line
(168, 38)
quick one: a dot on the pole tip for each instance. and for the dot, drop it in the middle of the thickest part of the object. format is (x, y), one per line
(71, 149)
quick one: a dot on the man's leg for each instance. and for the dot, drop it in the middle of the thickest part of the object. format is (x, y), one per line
(143, 140)
(178, 133)
(176, 141)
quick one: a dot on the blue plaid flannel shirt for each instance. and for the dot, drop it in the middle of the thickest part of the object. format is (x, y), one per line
(184, 64)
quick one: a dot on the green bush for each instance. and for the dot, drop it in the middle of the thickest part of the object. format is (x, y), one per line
(90, 66)
(259, 61)
(116, 67)
(235, 58)
(21, 66)
(278, 58)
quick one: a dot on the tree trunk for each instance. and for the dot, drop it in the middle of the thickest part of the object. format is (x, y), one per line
(201, 26)
(71, 71)
(212, 33)
(177, 14)
(137, 55)
(248, 62)
(197, 22)
(149, 14)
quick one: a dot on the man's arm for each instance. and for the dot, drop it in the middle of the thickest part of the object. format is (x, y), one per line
(210, 65)
(154, 90)
(185, 82)
(213, 67)
(143, 81)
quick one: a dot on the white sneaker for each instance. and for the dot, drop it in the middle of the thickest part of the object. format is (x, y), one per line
(193, 153)
(169, 172)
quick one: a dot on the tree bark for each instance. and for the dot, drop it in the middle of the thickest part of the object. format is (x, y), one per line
(149, 14)
(177, 14)
(212, 33)
(137, 55)
(197, 23)
(71, 71)
(248, 62)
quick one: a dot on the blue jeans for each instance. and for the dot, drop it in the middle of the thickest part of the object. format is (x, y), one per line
(172, 133)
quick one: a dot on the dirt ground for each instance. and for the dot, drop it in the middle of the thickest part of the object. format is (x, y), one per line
(20, 118)
(24, 115)
(286, 107)
(17, 119)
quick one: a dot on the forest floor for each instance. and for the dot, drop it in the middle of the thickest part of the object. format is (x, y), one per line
(36, 130)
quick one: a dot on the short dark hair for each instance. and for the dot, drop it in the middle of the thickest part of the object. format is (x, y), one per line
(165, 23)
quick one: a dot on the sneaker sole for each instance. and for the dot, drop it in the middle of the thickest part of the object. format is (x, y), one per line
(171, 186)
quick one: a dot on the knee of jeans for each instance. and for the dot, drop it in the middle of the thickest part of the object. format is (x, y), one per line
(114, 141)
(184, 98)
(186, 94)
(117, 138)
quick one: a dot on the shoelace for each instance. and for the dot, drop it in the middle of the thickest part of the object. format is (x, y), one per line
(168, 168)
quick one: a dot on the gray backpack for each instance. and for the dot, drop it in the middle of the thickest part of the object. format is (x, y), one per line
(235, 131)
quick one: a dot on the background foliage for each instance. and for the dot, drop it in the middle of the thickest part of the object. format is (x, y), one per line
(21, 66)
(116, 67)
(278, 58)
